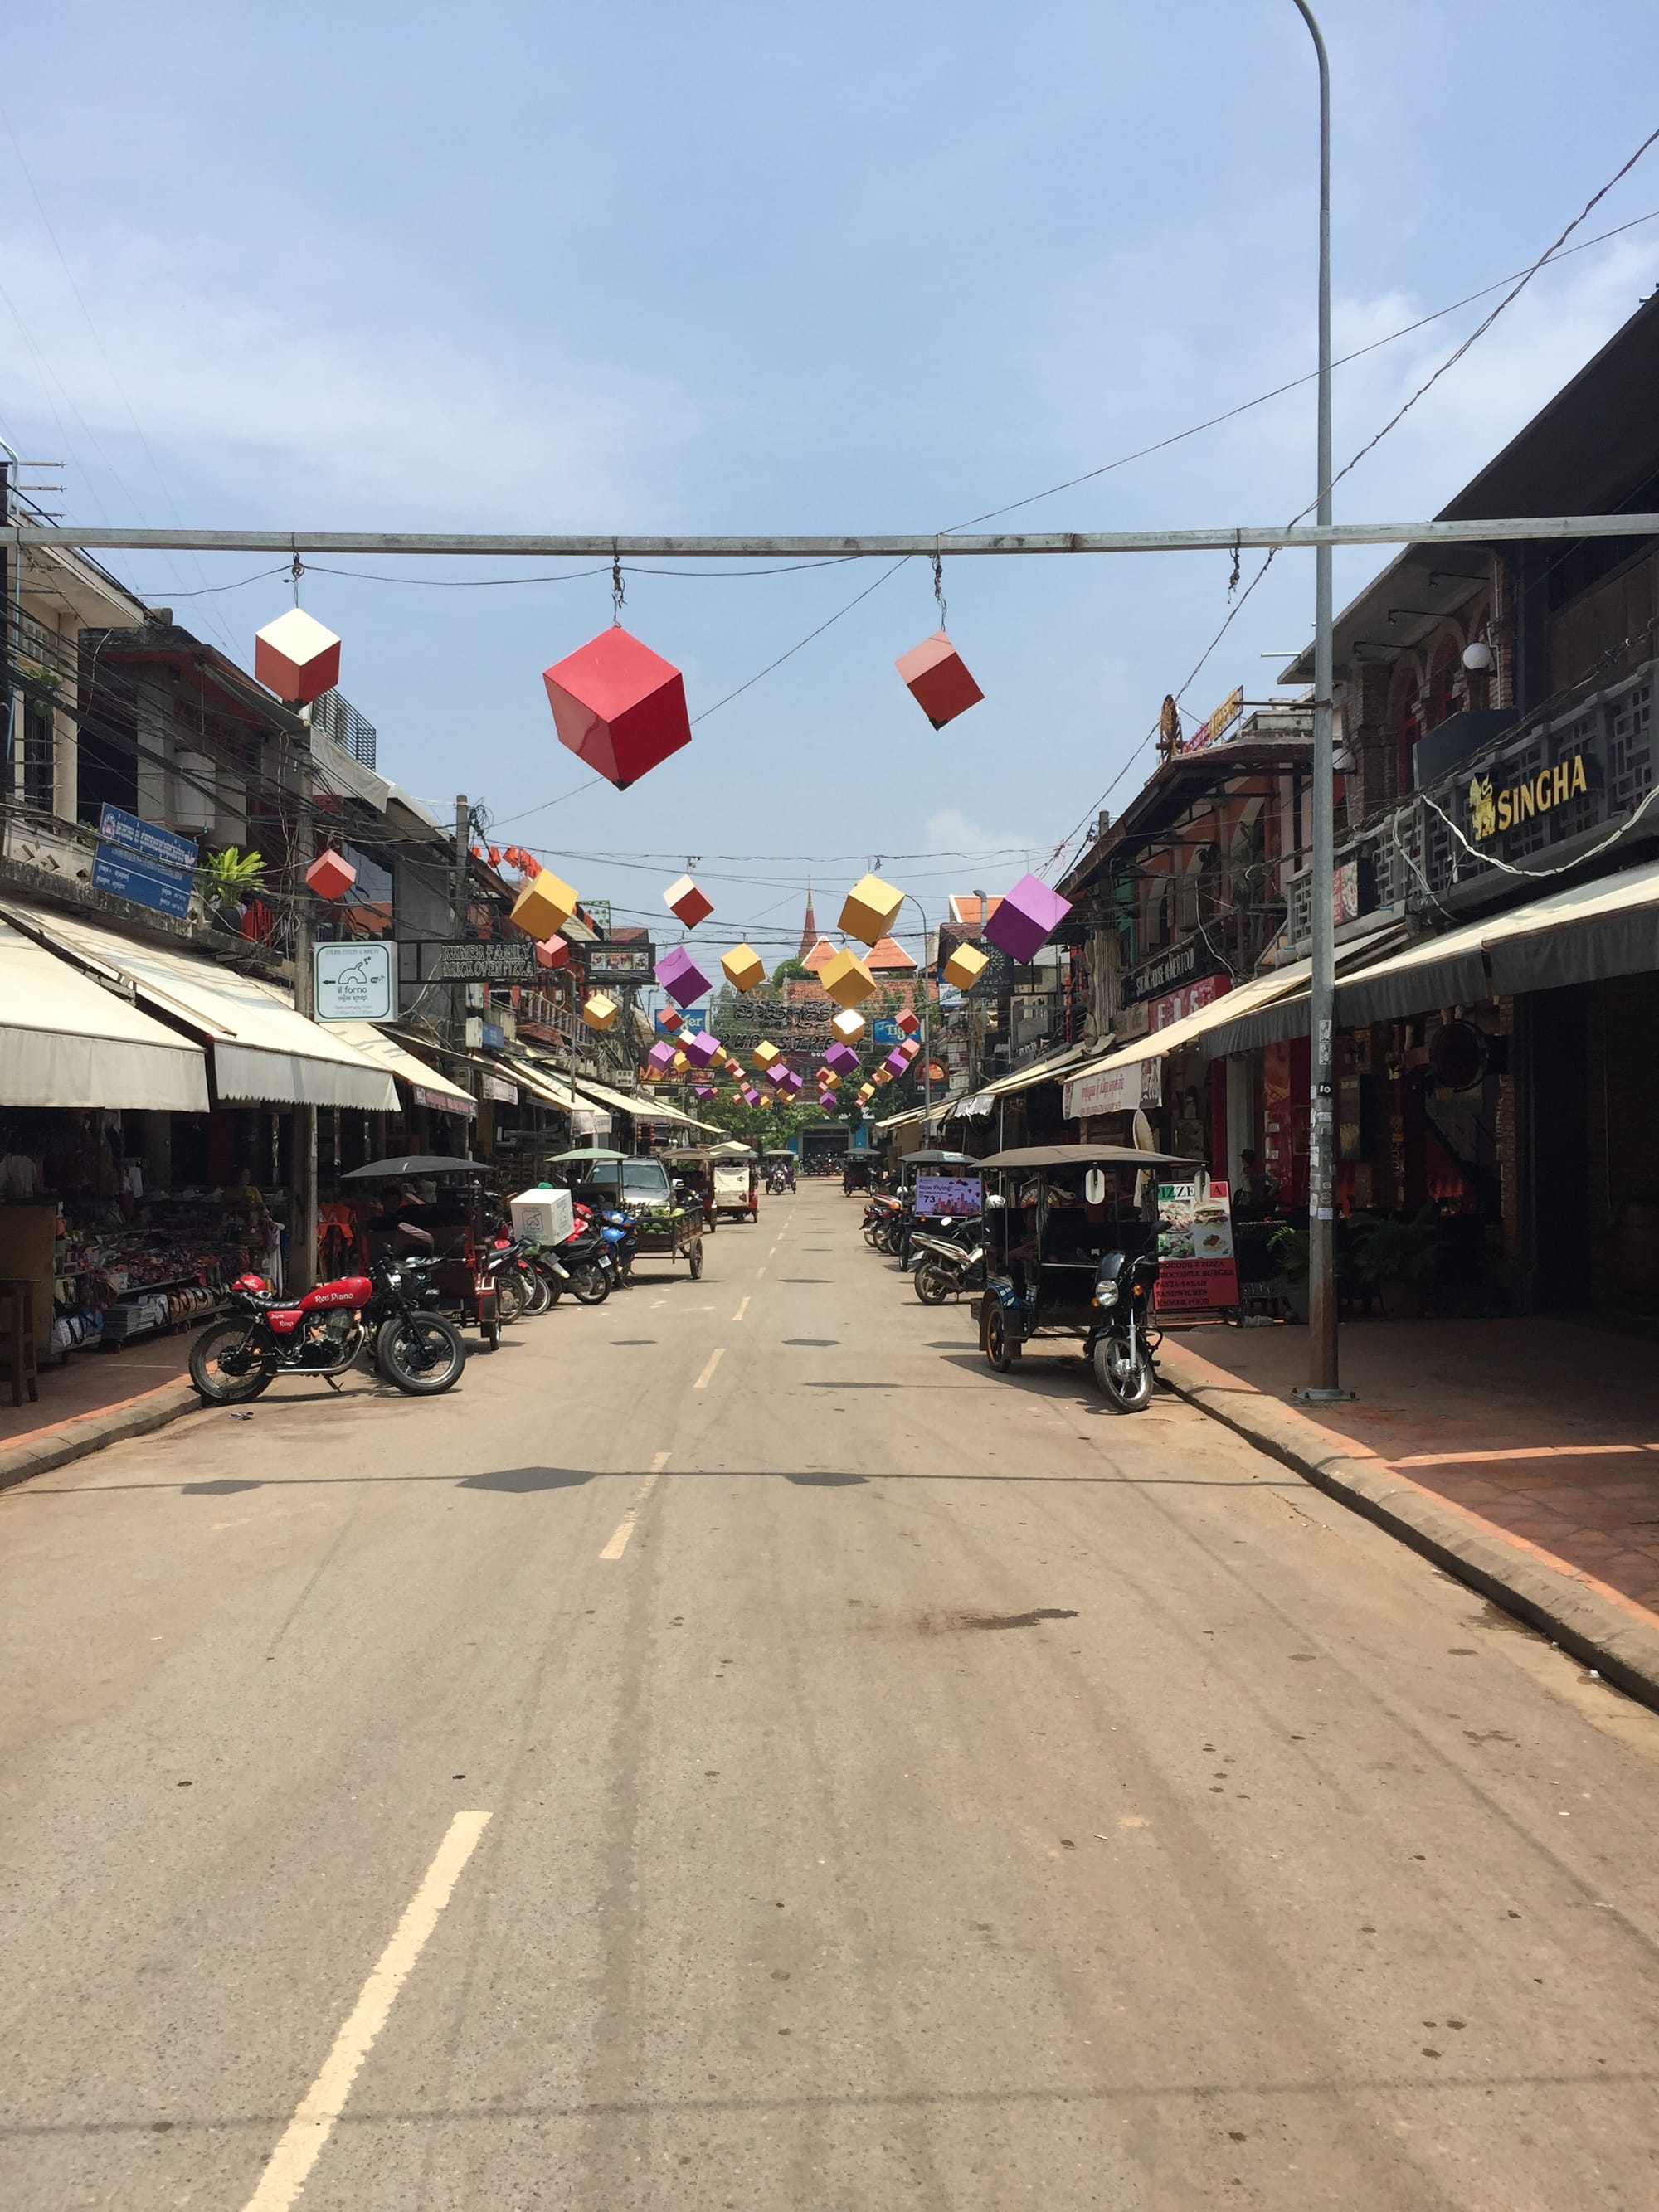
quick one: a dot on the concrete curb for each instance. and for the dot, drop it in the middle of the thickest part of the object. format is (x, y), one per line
(1595, 1623)
(90, 1433)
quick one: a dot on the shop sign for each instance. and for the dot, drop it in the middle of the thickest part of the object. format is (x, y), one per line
(440, 1102)
(498, 1088)
(589, 1122)
(1210, 732)
(1121, 1090)
(1181, 963)
(143, 862)
(692, 1020)
(885, 1033)
(353, 983)
(952, 1194)
(493, 1035)
(1491, 813)
(471, 961)
(1176, 1005)
(1196, 1265)
(619, 964)
(1345, 893)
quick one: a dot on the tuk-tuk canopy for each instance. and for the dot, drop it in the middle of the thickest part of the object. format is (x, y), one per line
(731, 1152)
(937, 1159)
(1072, 1156)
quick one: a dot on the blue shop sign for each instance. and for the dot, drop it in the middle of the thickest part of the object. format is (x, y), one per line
(162, 888)
(494, 1036)
(883, 1032)
(147, 841)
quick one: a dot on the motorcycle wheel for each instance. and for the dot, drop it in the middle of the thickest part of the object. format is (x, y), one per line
(554, 1287)
(932, 1284)
(995, 1341)
(537, 1295)
(422, 1354)
(590, 1285)
(1125, 1378)
(213, 1386)
(509, 1297)
(694, 1260)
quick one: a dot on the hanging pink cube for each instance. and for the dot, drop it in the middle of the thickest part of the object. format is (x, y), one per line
(908, 1022)
(1026, 918)
(681, 977)
(843, 1059)
(686, 903)
(896, 1063)
(937, 680)
(702, 1050)
(660, 1058)
(670, 1019)
(297, 657)
(553, 952)
(618, 706)
(331, 876)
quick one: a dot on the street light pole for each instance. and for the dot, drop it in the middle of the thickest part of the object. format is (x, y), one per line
(1321, 1013)
(926, 1024)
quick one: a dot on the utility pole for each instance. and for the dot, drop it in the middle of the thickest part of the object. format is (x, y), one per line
(459, 902)
(1322, 1386)
(303, 1212)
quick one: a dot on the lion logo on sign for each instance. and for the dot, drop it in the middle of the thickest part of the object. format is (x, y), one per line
(1483, 807)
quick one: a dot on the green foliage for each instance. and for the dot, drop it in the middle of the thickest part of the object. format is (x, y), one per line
(229, 873)
(788, 970)
(1389, 1251)
(1290, 1248)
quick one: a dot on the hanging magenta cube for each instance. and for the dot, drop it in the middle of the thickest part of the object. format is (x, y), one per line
(618, 706)
(702, 1090)
(896, 1063)
(661, 1057)
(329, 876)
(843, 1059)
(777, 1075)
(750, 1096)
(680, 976)
(937, 680)
(1027, 918)
(792, 1083)
(702, 1050)
(827, 1100)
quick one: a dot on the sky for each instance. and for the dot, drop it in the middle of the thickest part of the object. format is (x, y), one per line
(740, 267)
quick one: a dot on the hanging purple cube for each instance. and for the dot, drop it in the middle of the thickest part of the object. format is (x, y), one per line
(750, 1096)
(702, 1048)
(777, 1075)
(896, 1062)
(843, 1059)
(681, 977)
(1026, 918)
(792, 1083)
(661, 1057)
(702, 1090)
(827, 1100)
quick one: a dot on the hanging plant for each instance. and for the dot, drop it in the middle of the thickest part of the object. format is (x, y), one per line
(229, 873)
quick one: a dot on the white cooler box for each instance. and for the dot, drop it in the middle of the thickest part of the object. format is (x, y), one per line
(545, 1215)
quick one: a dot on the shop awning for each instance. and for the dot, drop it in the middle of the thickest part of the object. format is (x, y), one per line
(543, 1083)
(1052, 1068)
(898, 1120)
(599, 1095)
(431, 1088)
(65, 1041)
(263, 1050)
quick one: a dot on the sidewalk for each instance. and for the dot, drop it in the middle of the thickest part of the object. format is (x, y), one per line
(92, 1399)
(1548, 1429)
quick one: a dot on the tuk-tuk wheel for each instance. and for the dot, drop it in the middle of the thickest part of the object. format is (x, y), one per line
(695, 1259)
(995, 1341)
(490, 1336)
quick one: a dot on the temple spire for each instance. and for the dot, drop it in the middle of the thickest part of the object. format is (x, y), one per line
(808, 928)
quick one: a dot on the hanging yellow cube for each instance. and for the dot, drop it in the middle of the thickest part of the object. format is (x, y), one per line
(600, 1012)
(543, 906)
(827, 1079)
(764, 1054)
(681, 1063)
(871, 909)
(848, 1026)
(881, 1077)
(743, 967)
(965, 966)
(847, 979)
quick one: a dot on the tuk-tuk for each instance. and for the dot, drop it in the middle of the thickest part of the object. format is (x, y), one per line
(780, 1169)
(457, 1227)
(736, 1182)
(1067, 1253)
(693, 1166)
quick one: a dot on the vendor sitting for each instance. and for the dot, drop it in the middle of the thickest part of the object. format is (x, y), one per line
(399, 1219)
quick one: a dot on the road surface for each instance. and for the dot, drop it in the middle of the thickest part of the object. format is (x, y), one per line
(738, 1752)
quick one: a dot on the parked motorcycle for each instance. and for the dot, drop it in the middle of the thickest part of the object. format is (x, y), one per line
(948, 1254)
(1119, 1346)
(327, 1331)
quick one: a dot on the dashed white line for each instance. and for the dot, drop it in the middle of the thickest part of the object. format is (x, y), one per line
(741, 1310)
(715, 1358)
(625, 1526)
(302, 2139)
(760, 1271)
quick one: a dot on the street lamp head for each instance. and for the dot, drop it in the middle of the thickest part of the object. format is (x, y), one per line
(1478, 657)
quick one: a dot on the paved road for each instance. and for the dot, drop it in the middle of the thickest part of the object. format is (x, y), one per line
(737, 1752)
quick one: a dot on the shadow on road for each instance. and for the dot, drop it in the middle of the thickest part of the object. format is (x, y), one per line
(519, 1480)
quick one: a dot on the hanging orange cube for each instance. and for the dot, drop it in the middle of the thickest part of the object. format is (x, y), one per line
(937, 680)
(543, 906)
(765, 1055)
(847, 979)
(297, 657)
(965, 966)
(847, 1025)
(870, 909)
(743, 967)
(600, 1012)
(618, 706)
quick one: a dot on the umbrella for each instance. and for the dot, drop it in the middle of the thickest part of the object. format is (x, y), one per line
(583, 1153)
(434, 1163)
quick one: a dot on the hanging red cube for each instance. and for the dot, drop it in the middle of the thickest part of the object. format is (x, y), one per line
(618, 706)
(329, 876)
(937, 680)
(297, 657)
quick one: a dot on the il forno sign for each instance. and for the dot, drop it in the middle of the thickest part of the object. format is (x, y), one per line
(354, 983)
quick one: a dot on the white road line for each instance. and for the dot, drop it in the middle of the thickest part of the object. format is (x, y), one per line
(302, 2139)
(773, 1254)
(715, 1358)
(759, 1272)
(741, 1310)
(618, 1543)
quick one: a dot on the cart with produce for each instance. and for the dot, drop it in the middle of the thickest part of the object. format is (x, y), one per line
(640, 1187)
(673, 1231)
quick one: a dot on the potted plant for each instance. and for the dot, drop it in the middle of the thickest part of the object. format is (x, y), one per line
(1289, 1248)
(1398, 1256)
(227, 877)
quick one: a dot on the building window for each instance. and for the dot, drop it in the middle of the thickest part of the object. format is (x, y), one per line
(37, 777)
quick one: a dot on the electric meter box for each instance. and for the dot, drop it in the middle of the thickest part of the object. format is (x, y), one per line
(545, 1215)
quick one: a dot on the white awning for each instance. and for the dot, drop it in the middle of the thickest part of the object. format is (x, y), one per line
(372, 1041)
(1050, 1069)
(544, 1083)
(262, 1049)
(614, 1100)
(65, 1041)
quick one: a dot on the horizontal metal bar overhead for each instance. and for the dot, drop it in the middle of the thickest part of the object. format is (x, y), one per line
(586, 545)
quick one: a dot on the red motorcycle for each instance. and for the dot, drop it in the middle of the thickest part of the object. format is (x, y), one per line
(326, 1331)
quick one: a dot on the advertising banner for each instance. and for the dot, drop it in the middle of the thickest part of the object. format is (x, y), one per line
(1119, 1089)
(355, 983)
(952, 1194)
(1197, 1269)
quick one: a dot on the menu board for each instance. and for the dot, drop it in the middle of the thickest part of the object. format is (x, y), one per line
(1197, 1269)
(952, 1194)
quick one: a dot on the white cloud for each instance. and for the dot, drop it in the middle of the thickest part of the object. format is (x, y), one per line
(950, 831)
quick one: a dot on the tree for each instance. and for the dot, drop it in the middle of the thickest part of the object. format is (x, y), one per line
(787, 970)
